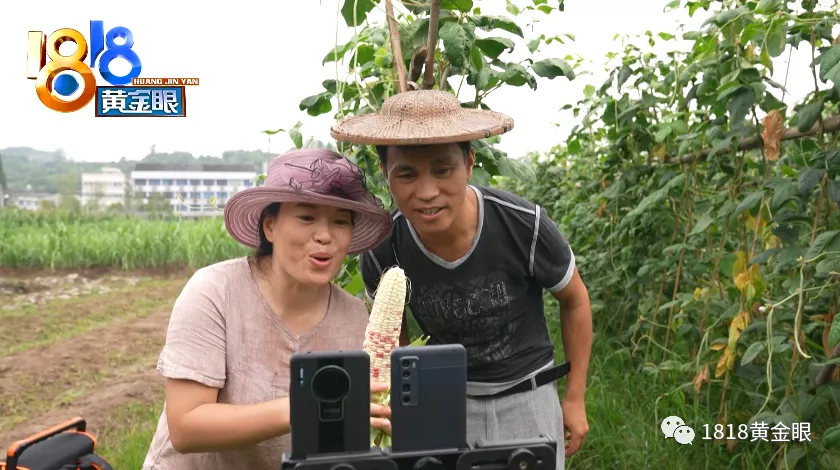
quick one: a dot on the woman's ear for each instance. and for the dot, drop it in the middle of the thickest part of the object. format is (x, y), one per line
(268, 227)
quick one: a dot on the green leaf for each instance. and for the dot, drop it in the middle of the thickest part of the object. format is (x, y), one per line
(533, 44)
(768, 6)
(356, 285)
(752, 352)
(514, 168)
(589, 91)
(808, 115)
(702, 224)
(489, 23)
(830, 64)
(460, 5)
(749, 202)
(821, 242)
(663, 133)
(553, 68)
(274, 132)
(750, 32)
(361, 9)
(517, 75)
(316, 105)
(512, 9)
(494, 46)
(457, 43)
(739, 105)
(826, 266)
(775, 39)
(480, 177)
(808, 178)
(624, 74)
(728, 15)
(296, 136)
(831, 436)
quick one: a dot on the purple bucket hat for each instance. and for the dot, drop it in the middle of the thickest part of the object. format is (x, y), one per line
(315, 176)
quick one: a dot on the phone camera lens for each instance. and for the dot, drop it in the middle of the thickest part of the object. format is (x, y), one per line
(406, 400)
(330, 384)
(406, 363)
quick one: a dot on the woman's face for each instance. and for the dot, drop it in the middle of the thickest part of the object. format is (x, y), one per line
(310, 241)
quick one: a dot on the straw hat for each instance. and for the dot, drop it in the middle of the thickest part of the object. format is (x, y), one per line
(421, 117)
(314, 176)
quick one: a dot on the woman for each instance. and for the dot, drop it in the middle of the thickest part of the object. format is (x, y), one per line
(237, 323)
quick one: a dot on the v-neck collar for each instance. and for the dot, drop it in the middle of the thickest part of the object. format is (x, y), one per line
(453, 264)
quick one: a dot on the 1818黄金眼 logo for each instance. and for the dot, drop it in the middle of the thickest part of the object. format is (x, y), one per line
(51, 87)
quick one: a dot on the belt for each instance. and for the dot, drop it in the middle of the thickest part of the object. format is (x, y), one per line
(547, 376)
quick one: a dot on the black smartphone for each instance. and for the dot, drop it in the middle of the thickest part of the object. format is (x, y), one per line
(429, 397)
(329, 397)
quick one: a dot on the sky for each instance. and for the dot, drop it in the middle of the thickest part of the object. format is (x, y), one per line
(257, 59)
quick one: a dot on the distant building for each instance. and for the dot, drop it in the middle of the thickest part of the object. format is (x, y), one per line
(190, 189)
(106, 188)
(30, 200)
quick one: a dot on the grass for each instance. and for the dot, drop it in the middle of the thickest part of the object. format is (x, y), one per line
(127, 445)
(57, 241)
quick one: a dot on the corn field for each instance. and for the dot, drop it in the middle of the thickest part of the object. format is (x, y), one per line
(57, 240)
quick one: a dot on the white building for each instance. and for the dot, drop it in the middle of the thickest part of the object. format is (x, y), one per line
(105, 188)
(30, 200)
(192, 189)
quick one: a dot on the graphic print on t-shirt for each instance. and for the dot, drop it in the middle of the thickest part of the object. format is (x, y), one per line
(472, 312)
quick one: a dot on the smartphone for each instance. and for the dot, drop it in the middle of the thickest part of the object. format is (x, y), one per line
(429, 397)
(329, 397)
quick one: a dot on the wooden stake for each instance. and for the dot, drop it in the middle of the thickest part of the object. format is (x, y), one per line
(396, 46)
(429, 72)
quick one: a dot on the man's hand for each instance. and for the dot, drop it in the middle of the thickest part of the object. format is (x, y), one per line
(577, 427)
(380, 415)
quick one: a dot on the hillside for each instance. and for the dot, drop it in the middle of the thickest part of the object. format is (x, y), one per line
(53, 172)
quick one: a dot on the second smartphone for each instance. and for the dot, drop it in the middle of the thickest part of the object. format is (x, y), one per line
(429, 397)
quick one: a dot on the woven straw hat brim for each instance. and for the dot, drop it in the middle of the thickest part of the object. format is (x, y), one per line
(377, 129)
(243, 210)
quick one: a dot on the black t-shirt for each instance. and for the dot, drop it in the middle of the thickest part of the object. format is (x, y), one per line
(490, 300)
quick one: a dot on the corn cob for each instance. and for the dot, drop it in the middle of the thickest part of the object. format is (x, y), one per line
(383, 329)
(383, 336)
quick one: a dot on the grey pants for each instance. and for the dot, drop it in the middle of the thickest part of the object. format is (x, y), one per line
(520, 416)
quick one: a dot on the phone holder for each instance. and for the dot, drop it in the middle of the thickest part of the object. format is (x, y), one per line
(525, 454)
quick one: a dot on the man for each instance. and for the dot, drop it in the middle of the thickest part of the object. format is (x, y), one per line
(478, 260)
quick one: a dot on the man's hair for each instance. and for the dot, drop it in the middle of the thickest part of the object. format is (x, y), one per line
(382, 151)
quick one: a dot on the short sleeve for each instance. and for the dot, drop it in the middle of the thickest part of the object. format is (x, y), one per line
(371, 271)
(196, 347)
(554, 261)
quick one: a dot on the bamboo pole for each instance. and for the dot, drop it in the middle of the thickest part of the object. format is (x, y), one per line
(396, 46)
(429, 72)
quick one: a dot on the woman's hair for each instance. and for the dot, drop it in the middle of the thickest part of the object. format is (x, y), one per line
(266, 248)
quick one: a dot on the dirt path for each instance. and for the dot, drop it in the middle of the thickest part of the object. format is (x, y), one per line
(87, 375)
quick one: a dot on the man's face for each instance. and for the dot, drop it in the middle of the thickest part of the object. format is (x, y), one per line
(428, 183)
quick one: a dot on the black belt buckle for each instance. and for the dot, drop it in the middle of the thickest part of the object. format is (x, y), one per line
(547, 376)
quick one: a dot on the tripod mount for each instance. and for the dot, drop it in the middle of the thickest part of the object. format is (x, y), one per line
(526, 454)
